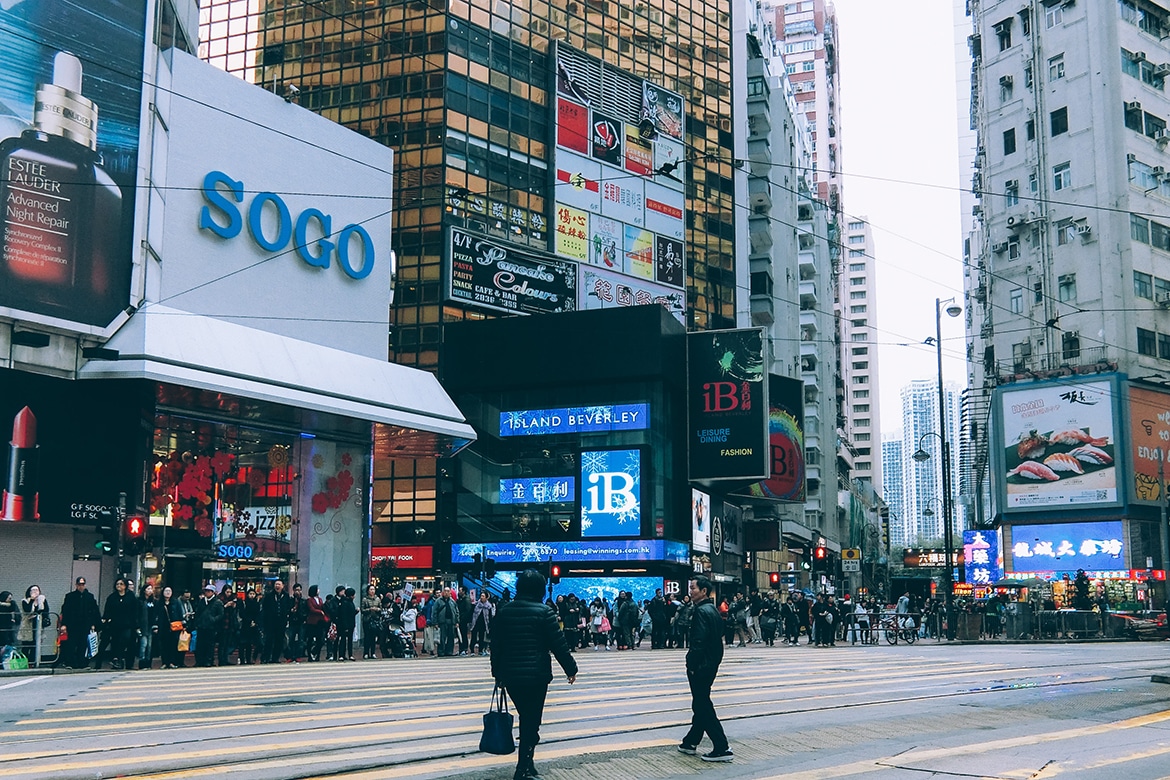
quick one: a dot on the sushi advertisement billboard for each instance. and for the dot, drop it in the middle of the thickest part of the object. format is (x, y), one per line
(1057, 444)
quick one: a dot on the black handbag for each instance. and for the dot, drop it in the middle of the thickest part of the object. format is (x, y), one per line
(497, 726)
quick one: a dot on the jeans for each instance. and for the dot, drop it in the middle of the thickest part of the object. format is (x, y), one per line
(704, 720)
(146, 650)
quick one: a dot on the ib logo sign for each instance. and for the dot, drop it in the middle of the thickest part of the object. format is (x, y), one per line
(611, 493)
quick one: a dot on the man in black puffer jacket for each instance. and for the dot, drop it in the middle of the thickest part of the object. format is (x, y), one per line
(524, 632)
(703, 659)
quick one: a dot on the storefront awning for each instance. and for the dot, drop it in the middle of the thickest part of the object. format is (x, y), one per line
(168, 345)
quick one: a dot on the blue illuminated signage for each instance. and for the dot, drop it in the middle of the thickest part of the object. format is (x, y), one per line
(241, 552)
(611, 493)
(310, 232)
(981, 557)
(1068, 547)
(513, 553)
(538, 490)
(575, 419)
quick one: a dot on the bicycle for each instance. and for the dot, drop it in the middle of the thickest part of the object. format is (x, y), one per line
(898, 626)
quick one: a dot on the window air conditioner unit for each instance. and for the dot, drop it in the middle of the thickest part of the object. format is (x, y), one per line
(999, 248)
(1162, 71)
(1016, 221)
(1162, 136)
(1084, 229)
(1012, 184)
(1133, 105)
(1130, 159)
(1158, 171)
(1026, 349)
(1138, 56)
(1005, 81)
(1162, 299)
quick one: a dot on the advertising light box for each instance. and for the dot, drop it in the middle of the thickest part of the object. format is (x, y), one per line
(981, 559)
(1149, 436)
(1057, 445)
(617, 550)
(786, 481)
(1068, 546)
(538, 490)
(499, 276)
(611, 493)
(602, 289)
(70, 112)
(575, 419)
(700, 521)
(727, 434)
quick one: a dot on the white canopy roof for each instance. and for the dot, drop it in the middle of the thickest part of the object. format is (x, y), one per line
(168, 345)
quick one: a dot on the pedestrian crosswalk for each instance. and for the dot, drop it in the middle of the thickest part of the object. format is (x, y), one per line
(421, 718)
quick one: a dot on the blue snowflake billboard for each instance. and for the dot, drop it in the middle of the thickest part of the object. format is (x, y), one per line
(611, 493)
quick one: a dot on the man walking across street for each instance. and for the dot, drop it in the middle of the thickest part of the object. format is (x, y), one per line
(703, 659)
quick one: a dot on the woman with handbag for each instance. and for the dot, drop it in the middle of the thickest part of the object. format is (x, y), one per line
(316, 623)
(596, 622)
(170, 626)
(524, 633)
(371, 622)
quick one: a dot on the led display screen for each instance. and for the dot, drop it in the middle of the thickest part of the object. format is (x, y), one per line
(538, 490)
(1068, 547)
(514, 553)
(575, 419)
(981, 557)
(611, 493)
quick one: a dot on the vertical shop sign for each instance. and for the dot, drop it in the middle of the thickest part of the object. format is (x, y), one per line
(786, 466)
(727, 392)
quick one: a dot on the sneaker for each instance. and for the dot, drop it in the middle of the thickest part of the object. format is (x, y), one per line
(719, 755)
(690, 750)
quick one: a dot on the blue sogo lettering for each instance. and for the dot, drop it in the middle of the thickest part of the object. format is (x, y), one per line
(223, 194)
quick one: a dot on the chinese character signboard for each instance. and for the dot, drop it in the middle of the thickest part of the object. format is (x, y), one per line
(1067, 547)
(1057, 443)
(538, 490)
(785, 480)
(1149, 436)
(499, 276)
(981, 557)
(602, 289)
(727, 424)
(611, 493)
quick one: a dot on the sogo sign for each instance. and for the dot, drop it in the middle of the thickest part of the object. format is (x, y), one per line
(314, 251)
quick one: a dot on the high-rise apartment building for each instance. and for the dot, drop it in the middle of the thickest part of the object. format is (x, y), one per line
(913, 488)
(572, 135)
(792, 259)
(1068, 259)
(857, 310)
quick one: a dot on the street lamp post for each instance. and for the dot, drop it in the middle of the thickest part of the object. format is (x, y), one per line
(953, 310)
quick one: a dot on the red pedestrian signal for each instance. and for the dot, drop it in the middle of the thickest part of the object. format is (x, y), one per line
(774, 579)
(135, 528)
(134, 542)
(554, 574)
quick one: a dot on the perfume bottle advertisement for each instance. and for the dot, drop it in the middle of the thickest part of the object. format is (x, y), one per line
(70, 104)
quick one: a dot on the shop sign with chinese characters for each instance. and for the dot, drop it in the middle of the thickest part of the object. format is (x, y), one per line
(921, 558)
(538, 490)
(981, 557)
(1068, 547)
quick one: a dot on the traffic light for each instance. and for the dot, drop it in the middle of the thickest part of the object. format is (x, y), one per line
(135, 539)
(774, 579)
(820, 558)
(477, 566)
(108, 528)
(489, 568)
(806, 559)
(554, 573)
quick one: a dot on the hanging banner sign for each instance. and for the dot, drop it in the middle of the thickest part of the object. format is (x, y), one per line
(727, 434)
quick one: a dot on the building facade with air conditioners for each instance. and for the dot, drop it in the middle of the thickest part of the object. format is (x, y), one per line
(1068, 270)
(791, 275)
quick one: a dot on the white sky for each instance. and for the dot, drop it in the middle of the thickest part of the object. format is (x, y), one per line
(899, 134)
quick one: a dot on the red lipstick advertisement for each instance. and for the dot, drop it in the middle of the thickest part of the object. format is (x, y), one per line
(20, 490)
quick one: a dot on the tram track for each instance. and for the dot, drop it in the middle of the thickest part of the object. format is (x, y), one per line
(440, 739)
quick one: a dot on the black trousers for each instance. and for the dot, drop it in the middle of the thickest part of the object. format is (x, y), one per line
(273, 644)
(529, 702)
(659, 631)
(704, 720)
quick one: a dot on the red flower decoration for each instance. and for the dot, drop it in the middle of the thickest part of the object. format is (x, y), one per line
(320, 503)
(346, 459)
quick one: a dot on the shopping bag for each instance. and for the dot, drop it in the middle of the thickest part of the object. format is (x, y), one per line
(497, 726)
(184, 641)
(605, 627)
(91, 646)
(332, 635)
(17, 660)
